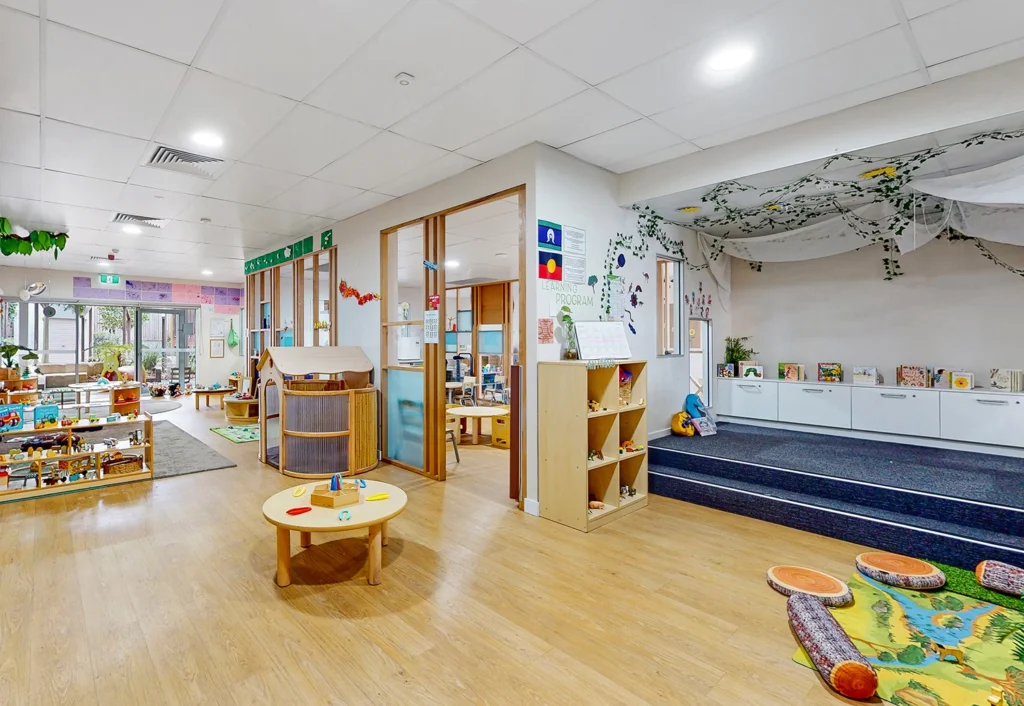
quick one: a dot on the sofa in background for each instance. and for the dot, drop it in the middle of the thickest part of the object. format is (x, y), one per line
(53, 375)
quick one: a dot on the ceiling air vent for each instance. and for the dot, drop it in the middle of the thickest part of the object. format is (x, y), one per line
(183, 162)
(148, 221)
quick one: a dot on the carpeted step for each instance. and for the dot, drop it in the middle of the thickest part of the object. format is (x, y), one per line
(947, 542)
(930, 506)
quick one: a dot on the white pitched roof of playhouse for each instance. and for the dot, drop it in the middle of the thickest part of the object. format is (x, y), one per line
(326, 360)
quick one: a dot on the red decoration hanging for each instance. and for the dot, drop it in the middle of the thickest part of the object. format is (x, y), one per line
(352, 293)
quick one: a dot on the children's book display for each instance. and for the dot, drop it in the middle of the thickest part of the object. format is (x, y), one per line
(962, 381)
(866, 376)
(914, 376)
(830, 372)
(753, 371)
(1008, 379)
(726, 370)
(33, 463)
(793, 372)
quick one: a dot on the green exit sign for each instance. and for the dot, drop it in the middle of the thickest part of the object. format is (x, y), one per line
(110, 279)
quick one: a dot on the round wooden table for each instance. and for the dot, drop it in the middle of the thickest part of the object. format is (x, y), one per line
(220, 392)
(476, 414)
(372, 514)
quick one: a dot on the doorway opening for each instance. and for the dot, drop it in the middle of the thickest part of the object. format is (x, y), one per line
(701, 357)
(451, 335)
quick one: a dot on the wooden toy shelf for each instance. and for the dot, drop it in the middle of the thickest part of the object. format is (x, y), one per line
(570, 430)
(20, 391)
(126, 399)
(17, 467)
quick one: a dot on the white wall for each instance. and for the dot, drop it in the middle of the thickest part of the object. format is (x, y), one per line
(952, 309)
(61, 287)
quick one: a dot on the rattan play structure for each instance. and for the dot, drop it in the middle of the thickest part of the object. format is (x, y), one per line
(318, 411)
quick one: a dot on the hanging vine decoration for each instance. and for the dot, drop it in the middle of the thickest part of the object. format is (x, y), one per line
(36, 241)
(815, 196)
(352, 293)
(952, 236)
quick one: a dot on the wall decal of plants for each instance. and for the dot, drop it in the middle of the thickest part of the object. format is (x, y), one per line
(37, 241)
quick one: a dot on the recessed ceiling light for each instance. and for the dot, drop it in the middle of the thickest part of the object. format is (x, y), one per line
(131, 230)
(451, 263)
(404, 79)
(207, 139)
(207, 272)
(732, 57)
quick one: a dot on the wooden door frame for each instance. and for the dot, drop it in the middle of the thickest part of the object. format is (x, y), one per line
(435, 463)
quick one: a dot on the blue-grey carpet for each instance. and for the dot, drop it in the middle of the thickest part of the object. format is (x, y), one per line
(957, 474)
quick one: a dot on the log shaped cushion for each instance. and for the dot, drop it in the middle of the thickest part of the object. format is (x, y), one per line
(900, 571)
(1001, 577)
(830, 648)
(789, 580)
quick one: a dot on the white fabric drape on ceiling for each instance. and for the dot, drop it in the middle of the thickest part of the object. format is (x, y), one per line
(999, 184)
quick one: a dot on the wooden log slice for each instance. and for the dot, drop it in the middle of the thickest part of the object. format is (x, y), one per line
(900, 571)
(789, 580)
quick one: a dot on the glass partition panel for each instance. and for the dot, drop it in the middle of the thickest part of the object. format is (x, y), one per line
(405, 416)
(323, 305)
(286, 326)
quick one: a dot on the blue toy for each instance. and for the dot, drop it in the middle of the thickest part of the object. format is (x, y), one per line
(361, 482)
(336, 482)
(432, 266)
(694, 407)
(344, 515)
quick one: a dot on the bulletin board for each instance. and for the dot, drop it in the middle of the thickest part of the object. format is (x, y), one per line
(602, 339)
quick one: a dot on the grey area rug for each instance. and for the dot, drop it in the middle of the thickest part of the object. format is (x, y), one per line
(148, 405)
(175, 452)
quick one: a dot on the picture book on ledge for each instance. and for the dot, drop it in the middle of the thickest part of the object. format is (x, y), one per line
(726, 370)
(914, 376)
(753, 371)
(830, 372)
(1008, 379)
(866, 376)
(794, 372)
(962, 381)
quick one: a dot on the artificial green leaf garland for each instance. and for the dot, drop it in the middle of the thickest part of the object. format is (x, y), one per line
(36, 241)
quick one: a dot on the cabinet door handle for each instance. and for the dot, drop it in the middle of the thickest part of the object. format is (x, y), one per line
(994, 402)
(815, 390)
(750, 387)
(890, 396)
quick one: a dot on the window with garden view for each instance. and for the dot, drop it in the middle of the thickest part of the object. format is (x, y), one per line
(669, 309)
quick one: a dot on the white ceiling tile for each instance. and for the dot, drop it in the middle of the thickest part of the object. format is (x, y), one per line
(19, 182)
(19, 61)
(977, 61)
(788, 32)
(308, 140)
(221, 213)
(834, 104)
(622, 143)
(657, 156)
(153, 203)
(967, 27)
(309, 226)
(524, 19)
(205, 233)
(288, 48)
(169, 181)
(609, 37)
(29, 6)
(19, 138)
(271, 220)
(437, 44)
(250, 184)
(238, 114)
(874, 59)
(313, 196)
(74, 216)
(916, 8)
(430, 173)
(383, 158)
(509, 90)
(95, 82)
(364, 202)
(19, 211)
(581, 116)
(76, 190)
(82, 150)
(171, 29)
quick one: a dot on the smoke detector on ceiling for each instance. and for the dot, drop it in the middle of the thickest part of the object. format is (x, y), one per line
(404, 79)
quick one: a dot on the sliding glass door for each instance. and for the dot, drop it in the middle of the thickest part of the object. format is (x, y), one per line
(166, 346)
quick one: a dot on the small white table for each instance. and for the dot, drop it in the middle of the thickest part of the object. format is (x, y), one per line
(476, 414)
(87, 388)
(452, 387)
(373, 514)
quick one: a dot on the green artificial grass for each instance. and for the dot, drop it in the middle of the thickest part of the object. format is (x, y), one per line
(963, 582)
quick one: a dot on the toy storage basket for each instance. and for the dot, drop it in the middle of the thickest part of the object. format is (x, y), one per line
(121, 466)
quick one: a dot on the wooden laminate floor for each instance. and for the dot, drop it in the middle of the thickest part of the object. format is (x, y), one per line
(163, 592)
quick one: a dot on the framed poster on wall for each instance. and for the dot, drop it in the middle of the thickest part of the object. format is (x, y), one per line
(216, 347)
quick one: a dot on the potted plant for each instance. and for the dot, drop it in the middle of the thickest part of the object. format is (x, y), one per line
(737, 350)
(111, 354)
(9, 352)
(565, 316)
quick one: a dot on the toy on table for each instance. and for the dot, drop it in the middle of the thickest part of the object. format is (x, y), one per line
(629, 446)
(93, 418)
(378, 496)
(593, 405)
(65, 422)
(48, 399)
(215, 386)
(596, 505)
(595, 455)
(344, 515)
(335, 494)
(131, 416)
(298, 510)
(627, 491)
(299, 491)
(110, 441)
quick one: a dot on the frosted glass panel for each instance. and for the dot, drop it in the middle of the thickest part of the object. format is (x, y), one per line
(492, 342)
(405, 416)
(465, 321)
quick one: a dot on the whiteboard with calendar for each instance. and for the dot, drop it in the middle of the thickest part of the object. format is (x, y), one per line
(602, 339)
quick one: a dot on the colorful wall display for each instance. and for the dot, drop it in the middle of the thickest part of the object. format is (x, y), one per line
(223, 300)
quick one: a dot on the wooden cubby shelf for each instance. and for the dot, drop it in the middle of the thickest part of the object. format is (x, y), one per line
(569, 431)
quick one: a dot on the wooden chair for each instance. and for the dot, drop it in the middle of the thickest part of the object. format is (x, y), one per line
(453, 430)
